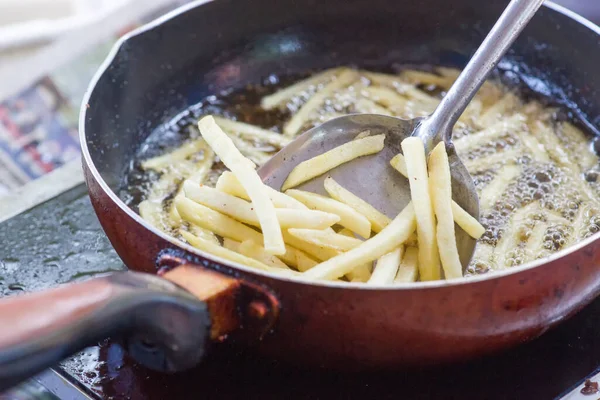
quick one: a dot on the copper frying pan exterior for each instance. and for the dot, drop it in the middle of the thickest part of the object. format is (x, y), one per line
(325, 325)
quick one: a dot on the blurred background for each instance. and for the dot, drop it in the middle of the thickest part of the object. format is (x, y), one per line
(49, 50)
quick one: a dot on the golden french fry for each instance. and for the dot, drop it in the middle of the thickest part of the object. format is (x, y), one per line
(338, 192)
(228, 183)
(349, 218)
(273, 100)
(465, 220)
(345, 78)
(322, 163)
(416, 168)
(384, 242)
(250, 249)
(386, 267)
(441, 193)
(247, 176)
(251, 132)
(408, 270)
(361, 273)
(243, 211)
(326, 239)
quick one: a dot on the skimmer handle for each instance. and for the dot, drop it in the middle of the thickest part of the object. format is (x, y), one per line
(508, 27)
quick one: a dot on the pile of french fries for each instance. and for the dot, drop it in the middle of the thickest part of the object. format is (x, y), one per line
(298, 233)
(196, 211)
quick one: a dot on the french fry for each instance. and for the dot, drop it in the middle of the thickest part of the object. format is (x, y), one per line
(231, 244)
(250, 249)
(495, 188)
(412, 240)
(368, 106)
(243, 211)
(249, 152)
(476, 165)
(344, 79)
(424, 100)
(426, 78)
(416, 168)
(316, 252)
(202, 233)
(228, 183)
(304, 262)
(240, 166)
(179, 154)
(251, 132)
(465, 220)
(408, 270)
(384, 242)
(490, 133)
(363, 135)
(441, 194)
(290, 257)
(222, 252)
(255, 251)
(322, 163)
(349, 218)
(338, 192)
(386, 268)
(389, 98)
(227, 227)
(215, 222)
(151, 212)
(506, 104)
(326, 239)
(361, 273)
(202, 168)
(273, 100)
(399, 164)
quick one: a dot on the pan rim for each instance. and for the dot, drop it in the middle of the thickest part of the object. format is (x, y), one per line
(89, 163)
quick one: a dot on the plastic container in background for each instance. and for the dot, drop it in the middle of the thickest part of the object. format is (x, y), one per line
(28, 22)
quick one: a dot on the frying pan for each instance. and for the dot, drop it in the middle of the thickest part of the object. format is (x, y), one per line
(206, 47)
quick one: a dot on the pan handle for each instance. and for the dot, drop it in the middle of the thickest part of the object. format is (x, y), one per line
(164, 327)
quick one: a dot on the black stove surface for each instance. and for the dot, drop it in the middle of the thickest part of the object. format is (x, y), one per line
(61, 241)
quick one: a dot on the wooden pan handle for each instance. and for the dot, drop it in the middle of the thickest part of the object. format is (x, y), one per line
(164, 326)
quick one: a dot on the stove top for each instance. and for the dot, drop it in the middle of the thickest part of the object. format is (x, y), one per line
(60, 240)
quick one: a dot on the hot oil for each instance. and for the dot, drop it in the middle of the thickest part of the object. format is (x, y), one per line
(240, 104)
(549, 203)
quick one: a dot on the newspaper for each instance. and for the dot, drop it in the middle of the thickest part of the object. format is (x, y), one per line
(39, 117)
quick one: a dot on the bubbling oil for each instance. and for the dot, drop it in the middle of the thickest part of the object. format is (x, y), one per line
(536, 173)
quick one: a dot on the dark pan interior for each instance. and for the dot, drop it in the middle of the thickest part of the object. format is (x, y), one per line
(227, 43)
